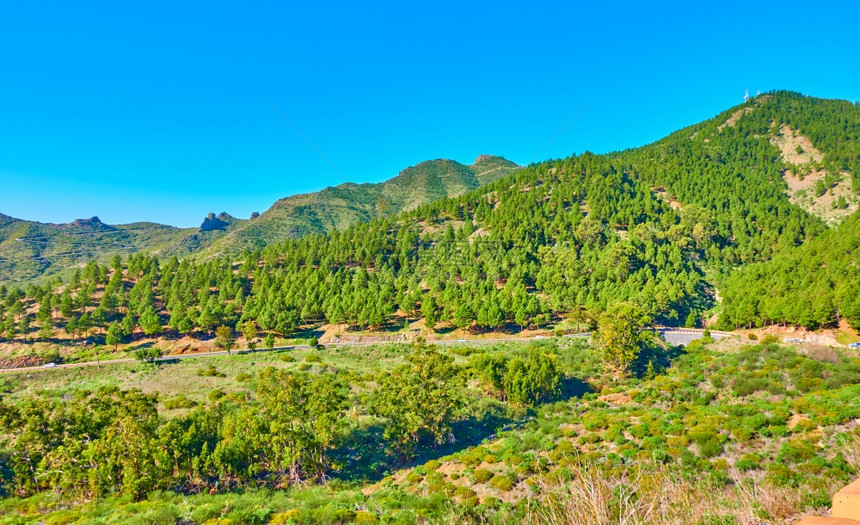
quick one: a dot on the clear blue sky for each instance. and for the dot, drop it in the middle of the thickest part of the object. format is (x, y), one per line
(160, 110)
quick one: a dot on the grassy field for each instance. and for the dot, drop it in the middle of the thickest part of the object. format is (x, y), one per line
(707, 435)
(188, 377)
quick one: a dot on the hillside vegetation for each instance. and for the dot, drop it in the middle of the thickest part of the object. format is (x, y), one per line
(495, 434)
(663, 226)
(33, 251)
(618, 428)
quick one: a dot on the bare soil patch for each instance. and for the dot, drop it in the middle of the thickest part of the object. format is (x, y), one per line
(788, 141)
(664, 195)
(733, 119)
(797, 149)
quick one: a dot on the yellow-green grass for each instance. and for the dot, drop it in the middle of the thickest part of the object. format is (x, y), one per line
(180, 377)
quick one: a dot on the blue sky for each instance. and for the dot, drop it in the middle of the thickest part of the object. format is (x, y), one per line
(163, 111)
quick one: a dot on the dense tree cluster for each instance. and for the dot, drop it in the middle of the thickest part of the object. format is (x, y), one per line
(810, 286)
(284, 430)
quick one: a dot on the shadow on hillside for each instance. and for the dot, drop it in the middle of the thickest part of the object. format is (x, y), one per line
(660, 359)
(140, 346)
(307, 333)
(573, 387)
(365, 460)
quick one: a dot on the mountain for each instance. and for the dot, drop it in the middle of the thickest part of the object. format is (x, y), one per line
(744, 220)
(32, 250)
(667, 227)
(337, 207)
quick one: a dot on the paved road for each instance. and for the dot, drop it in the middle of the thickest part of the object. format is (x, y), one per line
(675, 336)
(685, 336)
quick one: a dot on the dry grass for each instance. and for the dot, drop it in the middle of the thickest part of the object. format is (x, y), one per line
(850, 450)
(660, 497)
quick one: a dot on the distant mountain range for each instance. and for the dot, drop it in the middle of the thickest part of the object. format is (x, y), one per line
(32, 250)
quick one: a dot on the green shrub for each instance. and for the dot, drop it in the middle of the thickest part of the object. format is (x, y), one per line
(482, 475)
(63, 517)
(282, 518)
(432, 465)
(462, 492)
(287, 358)
(797, 451)
(178, 402)
(780, 475)
(558, 476)
(210, 371)
(660, 456)
(243, 376)
(313, 358)
(748, 462)
(363, 516)
(215, 395)
(502, 483)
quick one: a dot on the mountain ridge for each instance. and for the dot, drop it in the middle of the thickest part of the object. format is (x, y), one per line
(32, 250)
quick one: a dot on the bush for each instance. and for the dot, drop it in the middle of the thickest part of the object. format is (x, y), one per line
(677, 441)
(210, 371)
(558, 476)
(432, 465)
(313, 358)
(482, 475)
(748, 462)
(287, 358)
(243, 376)
(660, 456)
(215, 395)
(178, 402)
(63, 517)
(282, 518)
(797, 451)
(363, 516)
(502, 483)
(462, 492)
(781, 476)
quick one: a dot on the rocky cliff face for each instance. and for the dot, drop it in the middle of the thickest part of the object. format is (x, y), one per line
(211, 222)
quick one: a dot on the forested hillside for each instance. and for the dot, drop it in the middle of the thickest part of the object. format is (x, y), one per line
(32, 250)
(662, 226)
(809, 286)
(621, 428)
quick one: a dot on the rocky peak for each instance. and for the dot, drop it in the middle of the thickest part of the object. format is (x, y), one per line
(211, 222)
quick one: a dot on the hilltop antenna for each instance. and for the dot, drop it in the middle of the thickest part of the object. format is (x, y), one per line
(747, 95)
